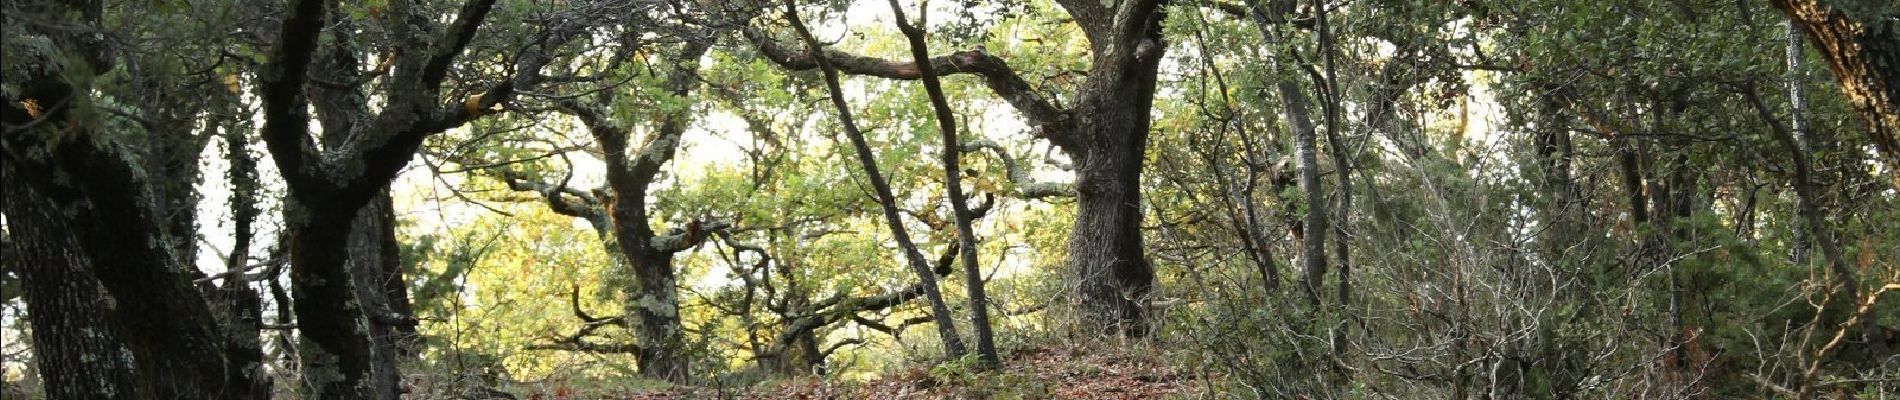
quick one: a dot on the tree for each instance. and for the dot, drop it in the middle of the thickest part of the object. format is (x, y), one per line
(76, 110)
(341, 360)
(1861, 42)
(952, 178)
(867, 162)
(1105, 132)
(653, 302)
(75, 346)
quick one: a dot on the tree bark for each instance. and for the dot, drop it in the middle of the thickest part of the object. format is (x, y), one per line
(75, 345)
(1313, 245)
(376, 270)
(1798, 124)
(1109, 142)
(113, 215)
(1105, 133)
(652, 310)
(1295, 110)
(373, 262)
(240, 306)
(1860, 39)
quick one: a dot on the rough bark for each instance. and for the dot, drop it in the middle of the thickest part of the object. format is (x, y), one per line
(76, 347)
(1860, 39)
(653, 300)
(374, 265)
(241, 307)
(1112, 117)
(376, 270)
(113, 215)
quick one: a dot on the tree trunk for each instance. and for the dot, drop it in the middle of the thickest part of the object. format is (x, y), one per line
(657, 327)
(113, 216)
(1863, 50)
(1798, 123)
(1105, 133)
(241, 307)
(337, 351)
(375, 267)
(1112, 117)
(867, 162)
(75, 346)
(373, 263)
(1847, 285)
(953, 183)
(1313, 245)
(653, 303)
(1342, 162)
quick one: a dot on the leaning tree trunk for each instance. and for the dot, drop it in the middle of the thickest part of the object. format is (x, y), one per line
(1863, 49)
(1313, 245)
(75, 346)
(953, 183)
(867, 163)
(1296, 111)
(164, 323)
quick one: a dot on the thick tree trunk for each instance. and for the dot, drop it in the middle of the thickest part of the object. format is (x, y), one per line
(112, 215)
(1112, 118)
(373, 263)
(336, 349)
(1863, 50)
(376, 268)
(75, 346)
(662, 353)
(1112, 272)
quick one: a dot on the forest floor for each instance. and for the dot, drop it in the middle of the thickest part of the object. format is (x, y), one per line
(1047, 372)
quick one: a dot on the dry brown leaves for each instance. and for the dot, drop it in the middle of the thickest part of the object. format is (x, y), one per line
(1038, 373)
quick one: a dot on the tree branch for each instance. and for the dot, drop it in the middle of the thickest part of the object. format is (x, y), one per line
(286, 129)
(1018, 173)
(1050, 122)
